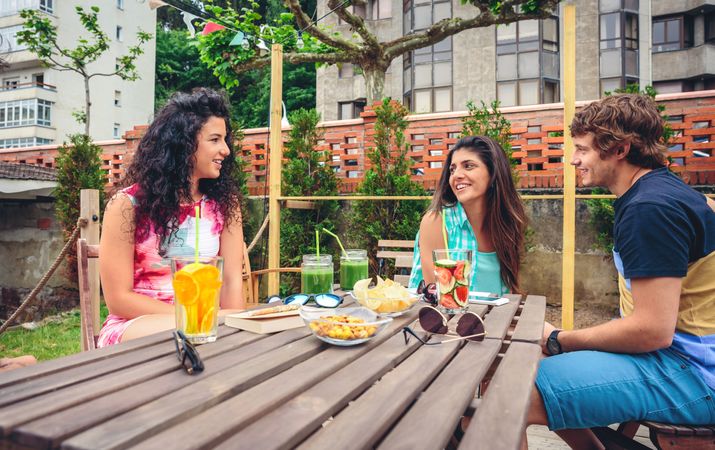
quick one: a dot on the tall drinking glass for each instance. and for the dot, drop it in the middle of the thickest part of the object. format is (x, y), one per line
(453, 273)
(353, 268)
(197, 289)
(316, 274)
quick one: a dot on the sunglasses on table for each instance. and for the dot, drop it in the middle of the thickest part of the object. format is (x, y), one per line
(428, 292)
(187, 354)
(321, 300)
(469, 326)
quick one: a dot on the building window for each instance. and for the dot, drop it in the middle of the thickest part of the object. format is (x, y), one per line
(380, 9)
(528, 70)
(11, 83)
(350, 110)
(672, 33)
(117, 98)
(427, 71)
(24, 142)
(25, 112)
(120, 34)
(710, 27)
(120, 4)
(47, 6)
(8, 39)
(115, 130)
(38, 79)
(619, 43)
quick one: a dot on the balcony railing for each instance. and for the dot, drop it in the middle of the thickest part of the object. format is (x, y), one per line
(32, 84)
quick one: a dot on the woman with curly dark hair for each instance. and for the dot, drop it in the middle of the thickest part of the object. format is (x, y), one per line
(482, 212)
(184, 160)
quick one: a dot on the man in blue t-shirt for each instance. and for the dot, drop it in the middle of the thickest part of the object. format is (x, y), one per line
(657, 362)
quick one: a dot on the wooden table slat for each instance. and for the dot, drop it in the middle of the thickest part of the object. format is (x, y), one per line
(366, 419)
(57, 427)
(451, 394)
(499, 318)
(227, 418)
(530, 327)
(501, 418)
(140, 423)
(53, 366)
(45, 405)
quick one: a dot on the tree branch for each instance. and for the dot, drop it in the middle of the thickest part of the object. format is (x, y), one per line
(450, 27)
(356, 22)
(294, 58)
(305, 23)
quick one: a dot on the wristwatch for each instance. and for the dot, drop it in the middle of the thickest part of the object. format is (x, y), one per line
(552, 343)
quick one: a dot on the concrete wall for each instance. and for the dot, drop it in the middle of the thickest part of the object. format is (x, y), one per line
(30, 240)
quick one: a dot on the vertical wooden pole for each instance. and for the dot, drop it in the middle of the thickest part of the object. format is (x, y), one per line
(89, 209)
(569, 227)
(275, 158)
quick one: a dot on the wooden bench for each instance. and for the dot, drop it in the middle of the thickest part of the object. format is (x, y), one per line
(400, 254)
(663, 436)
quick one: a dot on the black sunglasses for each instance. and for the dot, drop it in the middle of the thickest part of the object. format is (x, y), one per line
(187, 354)
(322, 300)
(428, 292)
(470, 326)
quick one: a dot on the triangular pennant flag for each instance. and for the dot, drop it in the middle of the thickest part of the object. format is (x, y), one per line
(153, 4)
(188, 17)
(238, 39)
(211, 27)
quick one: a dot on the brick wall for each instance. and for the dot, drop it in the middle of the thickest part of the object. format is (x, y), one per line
(536, 138)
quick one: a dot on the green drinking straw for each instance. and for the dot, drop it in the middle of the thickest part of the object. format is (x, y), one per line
(338, 239)
(317, 244)
(197, 213)
(444, 232)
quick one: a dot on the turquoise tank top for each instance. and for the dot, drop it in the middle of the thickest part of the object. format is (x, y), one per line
(487, 276)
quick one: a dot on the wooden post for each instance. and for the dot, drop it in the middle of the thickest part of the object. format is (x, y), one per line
(89, 209)
(275, 159)
(569, 227)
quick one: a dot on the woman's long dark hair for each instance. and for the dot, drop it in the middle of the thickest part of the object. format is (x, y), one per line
(505, 219)
(164, 161)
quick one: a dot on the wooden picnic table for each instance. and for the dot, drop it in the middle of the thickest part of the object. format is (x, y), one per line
(284, 390)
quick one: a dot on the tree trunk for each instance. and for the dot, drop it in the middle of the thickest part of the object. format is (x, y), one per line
(374, 84)
(87, 105)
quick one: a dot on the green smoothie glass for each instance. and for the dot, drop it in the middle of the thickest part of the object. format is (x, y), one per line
(353, 267)
(316, 274)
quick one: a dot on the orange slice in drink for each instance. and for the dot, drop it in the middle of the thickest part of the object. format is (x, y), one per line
(208, 320)
(186, 289)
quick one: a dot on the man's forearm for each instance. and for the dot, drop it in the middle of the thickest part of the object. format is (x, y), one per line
(624, 335)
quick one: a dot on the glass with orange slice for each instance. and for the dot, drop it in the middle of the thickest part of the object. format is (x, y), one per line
(197, 289)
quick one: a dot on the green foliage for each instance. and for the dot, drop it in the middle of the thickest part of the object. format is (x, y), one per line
(389, 174)
(307, 172)
(483, 121)
(178, 69)
(78, 167)
(601, 220)
(57, 336)
(499, 7)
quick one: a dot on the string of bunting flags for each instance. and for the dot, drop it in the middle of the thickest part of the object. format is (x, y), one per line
(191, 12)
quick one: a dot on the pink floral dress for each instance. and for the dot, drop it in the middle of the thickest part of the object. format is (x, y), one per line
(152, 272)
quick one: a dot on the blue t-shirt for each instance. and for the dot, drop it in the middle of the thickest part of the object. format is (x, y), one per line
(664, 228)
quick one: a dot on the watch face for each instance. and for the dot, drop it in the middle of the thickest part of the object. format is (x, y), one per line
(553, 347)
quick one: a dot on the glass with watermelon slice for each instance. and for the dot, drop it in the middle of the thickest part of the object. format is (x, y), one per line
(453, 272)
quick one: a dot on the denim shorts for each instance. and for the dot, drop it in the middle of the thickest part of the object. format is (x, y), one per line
(586, 389)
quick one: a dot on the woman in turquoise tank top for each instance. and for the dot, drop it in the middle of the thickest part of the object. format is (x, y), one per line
(482, 212)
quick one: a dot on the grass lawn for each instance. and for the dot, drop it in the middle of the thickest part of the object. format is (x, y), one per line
(56, 337)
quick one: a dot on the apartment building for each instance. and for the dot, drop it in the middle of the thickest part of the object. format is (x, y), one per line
(667, 44)
(36, 102)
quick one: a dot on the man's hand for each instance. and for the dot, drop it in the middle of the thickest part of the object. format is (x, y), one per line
(548, 328)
